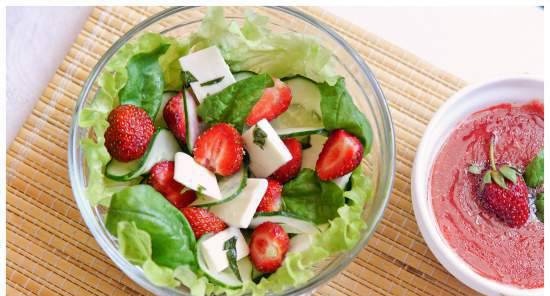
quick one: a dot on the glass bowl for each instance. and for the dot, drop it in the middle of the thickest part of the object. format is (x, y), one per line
(361, 84)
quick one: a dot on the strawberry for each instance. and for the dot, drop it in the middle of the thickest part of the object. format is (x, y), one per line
(129, 132)
(290, 169)
(341, 154)
(268, 247)
(271, 201)
(174, 116)
(202, 221)
(220, 149)
(274, 101)
(504, 192)
(161, 177)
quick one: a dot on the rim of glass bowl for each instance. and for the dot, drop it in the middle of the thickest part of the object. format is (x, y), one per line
(77, 177)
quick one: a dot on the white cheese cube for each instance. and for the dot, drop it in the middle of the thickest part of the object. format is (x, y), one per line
(267, 158)
(212, 248)
(342, 181)
(239, 211)
(311, 154)
(206, 65)
(196, 177)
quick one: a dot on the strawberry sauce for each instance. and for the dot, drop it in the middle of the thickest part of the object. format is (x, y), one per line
(512, 256)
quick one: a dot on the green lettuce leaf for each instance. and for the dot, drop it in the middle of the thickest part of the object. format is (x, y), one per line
(173, 241)
(311, 198)
(253, 47)
(159, 275)
(339, 112)
(197, 285)
(232, 104)
(134, 244)
(534, 173)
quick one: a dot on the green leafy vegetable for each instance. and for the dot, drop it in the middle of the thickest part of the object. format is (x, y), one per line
(259, 137)
(133, 243)
(213, 81)
(534, 173)
(232, 104)
(197, 285)
(231, 252)
(311, 198)
(159, 275)
(339, 112)
(255, 48)
(539, 203)
(145, 81)
(173, 241)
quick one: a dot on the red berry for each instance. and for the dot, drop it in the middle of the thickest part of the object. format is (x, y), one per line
(129, 132)
(220, 149)
(341, 154)
(271, 201)
(202, 221)
(290, 169)
(161, 178)
(274, 101)
(268, 247)
(174, 116)
(510, 204)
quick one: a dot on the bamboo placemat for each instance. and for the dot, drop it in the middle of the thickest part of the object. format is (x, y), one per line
(50, 251)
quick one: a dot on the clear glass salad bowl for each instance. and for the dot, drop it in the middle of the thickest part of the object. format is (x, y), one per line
(360, 82)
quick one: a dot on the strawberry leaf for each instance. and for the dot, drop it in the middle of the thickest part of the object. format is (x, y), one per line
(475, 169)
(508, 173)
(487, 178)
(499, 179)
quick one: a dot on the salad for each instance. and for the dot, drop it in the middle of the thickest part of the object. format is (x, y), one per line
(228, 162)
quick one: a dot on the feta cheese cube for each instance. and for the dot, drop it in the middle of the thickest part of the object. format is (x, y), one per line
(239, 211)
(311, 154)
(267, 157)
(207, 65)
(196, 177)
(212, 248)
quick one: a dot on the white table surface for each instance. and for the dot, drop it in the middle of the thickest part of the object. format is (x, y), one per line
(472, 43)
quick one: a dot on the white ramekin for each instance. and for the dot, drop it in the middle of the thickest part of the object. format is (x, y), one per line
(465, 102)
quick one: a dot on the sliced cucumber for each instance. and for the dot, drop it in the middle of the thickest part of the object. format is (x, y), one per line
(297, 116)
(242, 75)
(192, 124)
(163, 146)
(305, 92)
(230, 187)
(159, 118)
(300, 131)
(225, 278)
(289, 222)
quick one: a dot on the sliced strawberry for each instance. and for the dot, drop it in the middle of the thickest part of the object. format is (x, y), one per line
(290, 169)
(220, 149)
(202, 221)
(274, 101)
(129, 132)
(174, 116)
(268, 247)
(161, 178)
(271, 201)
(341, 154)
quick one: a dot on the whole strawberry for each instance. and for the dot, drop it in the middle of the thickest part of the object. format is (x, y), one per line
(504, 192)
(129, 132)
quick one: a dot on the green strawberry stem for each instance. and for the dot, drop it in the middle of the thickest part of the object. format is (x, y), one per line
(492, 153)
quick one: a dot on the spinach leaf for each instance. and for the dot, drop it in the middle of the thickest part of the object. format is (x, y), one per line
(539, 203)
(173, 242)
(534, 173)
(145, 81)
(339, 112)
(232, 104)
(311, 198)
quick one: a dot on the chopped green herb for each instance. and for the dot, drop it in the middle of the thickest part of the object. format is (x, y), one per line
(230, 247)
(213, 81)
(200, 189)
(259, 137)
(188, 78)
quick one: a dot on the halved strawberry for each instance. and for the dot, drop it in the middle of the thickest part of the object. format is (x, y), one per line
(174, 116)
(274, 101)
(290, 169)
(268, 247)
(161, 177)
(341, 154)
(202, 221)
(271, 201)
(220, 149)
(129, 132)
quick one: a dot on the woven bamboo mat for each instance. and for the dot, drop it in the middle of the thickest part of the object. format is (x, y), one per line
(51, 252)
